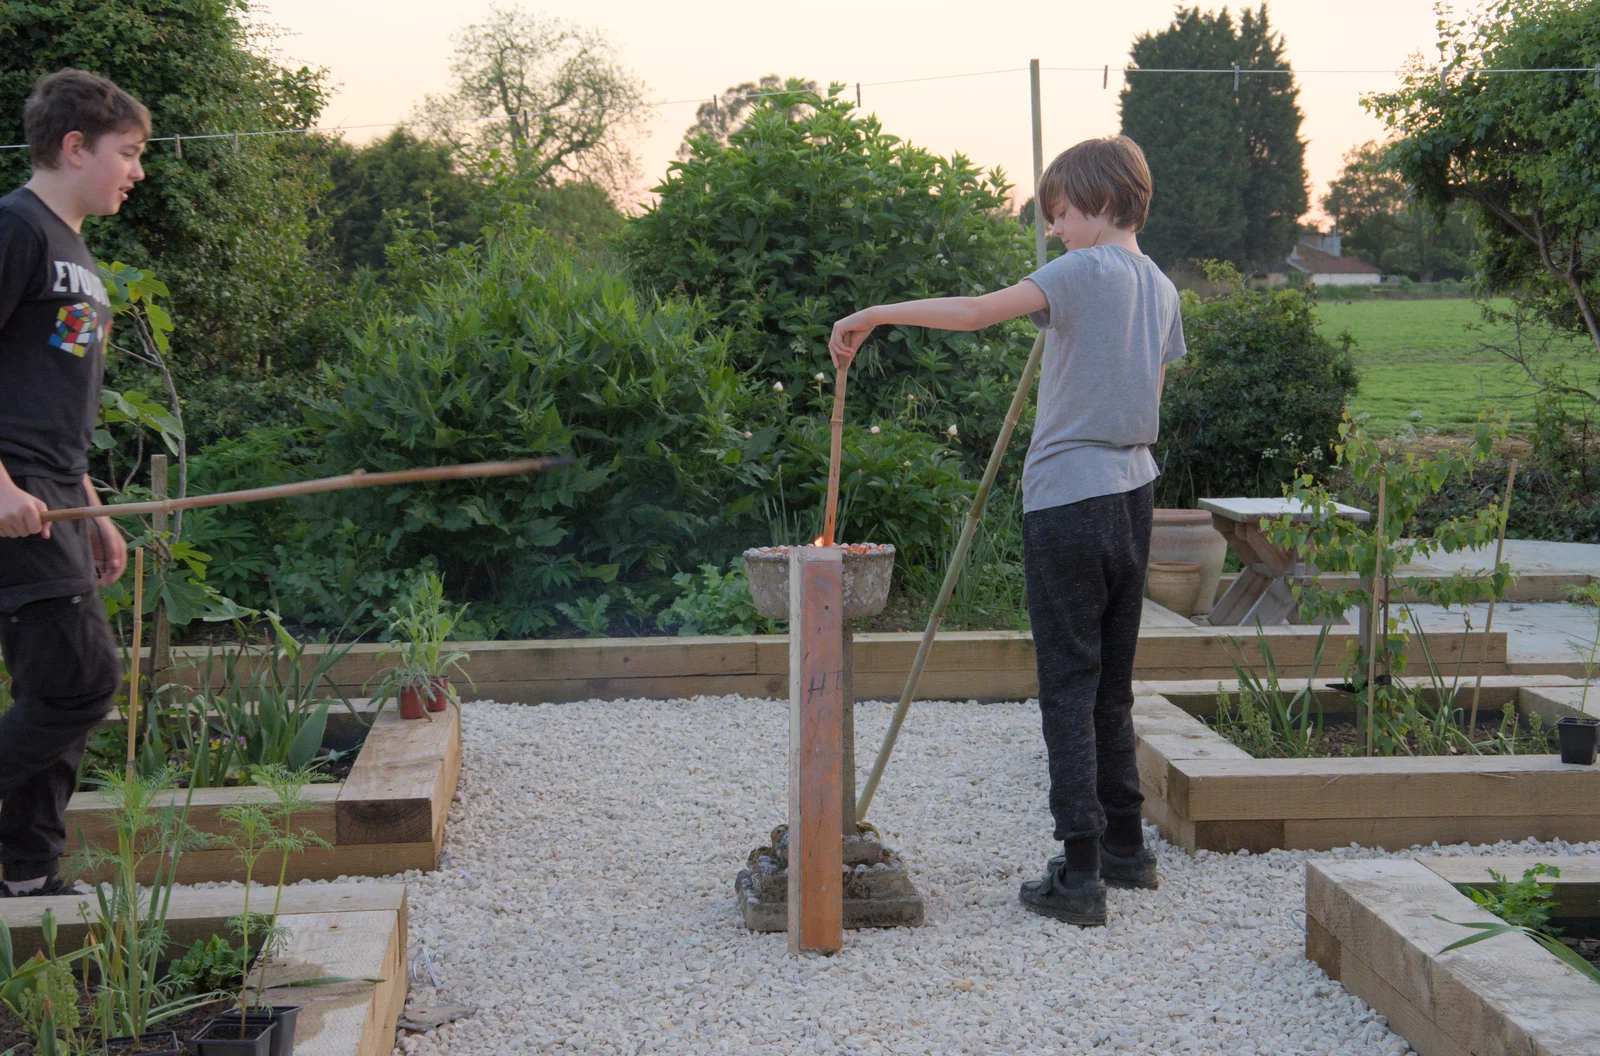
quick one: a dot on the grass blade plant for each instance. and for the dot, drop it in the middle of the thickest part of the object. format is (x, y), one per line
(1523, 907)
(288, 789)
(1262, 719)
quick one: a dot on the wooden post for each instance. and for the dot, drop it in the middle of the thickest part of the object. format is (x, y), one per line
(161, 629)
(1499, 549)
(1378, 626)
(816, 717)
(138, 646)
(1038, 163)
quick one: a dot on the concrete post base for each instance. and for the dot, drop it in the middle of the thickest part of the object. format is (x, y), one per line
(877, 889)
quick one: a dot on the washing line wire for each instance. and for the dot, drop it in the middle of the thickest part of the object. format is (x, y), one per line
(1104, 70)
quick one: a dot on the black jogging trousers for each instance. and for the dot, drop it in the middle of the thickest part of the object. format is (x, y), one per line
(1085, 564)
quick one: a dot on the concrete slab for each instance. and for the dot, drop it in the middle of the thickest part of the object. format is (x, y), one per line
(1525, 555)
(1551, 634)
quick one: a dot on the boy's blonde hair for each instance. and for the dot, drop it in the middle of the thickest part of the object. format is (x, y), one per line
(1096, 175)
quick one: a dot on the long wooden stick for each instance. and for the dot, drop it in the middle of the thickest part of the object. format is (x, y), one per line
(138, 644)
(359, 479)
(1379, 590)
(1499, 549)
(835, 454)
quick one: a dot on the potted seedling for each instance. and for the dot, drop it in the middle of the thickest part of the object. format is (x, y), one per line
(419, 627)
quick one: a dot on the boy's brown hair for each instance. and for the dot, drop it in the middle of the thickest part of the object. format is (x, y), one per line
(72, 100)
(1096, 175)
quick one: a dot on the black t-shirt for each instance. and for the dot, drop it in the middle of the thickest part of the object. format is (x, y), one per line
(54, 317)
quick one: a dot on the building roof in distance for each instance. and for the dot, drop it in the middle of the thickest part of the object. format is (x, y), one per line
(1314, 261)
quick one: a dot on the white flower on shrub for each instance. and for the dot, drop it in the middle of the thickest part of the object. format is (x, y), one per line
(777, 386)
(747, 434)
(906, 464)
(874, 430)
(819, 376)
(951, 431)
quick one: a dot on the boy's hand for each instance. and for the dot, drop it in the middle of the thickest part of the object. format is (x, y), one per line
(20, 513)
(848, 334)
(109, 549)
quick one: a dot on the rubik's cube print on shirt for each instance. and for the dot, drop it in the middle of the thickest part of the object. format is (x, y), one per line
(77, 329)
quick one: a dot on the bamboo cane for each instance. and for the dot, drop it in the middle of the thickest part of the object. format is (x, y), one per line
(1499, 549)
(1379, 589)
(835, 453)
(138, 644)
(953, 573)
(359, 479)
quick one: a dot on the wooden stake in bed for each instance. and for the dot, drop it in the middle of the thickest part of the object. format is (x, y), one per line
(138, 644)
(1379, 590)
(1499, 550)
(835, 453)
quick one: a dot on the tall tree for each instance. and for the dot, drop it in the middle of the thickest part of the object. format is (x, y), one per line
(228, 230)
(1373, 210)
(726, 114)
(541, 94)
(399, 172)
(1228, 167)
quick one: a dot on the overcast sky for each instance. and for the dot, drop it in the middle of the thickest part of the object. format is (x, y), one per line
(384, 55)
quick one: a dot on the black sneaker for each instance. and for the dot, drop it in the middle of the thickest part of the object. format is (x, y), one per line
(1077, 898)
(53, 886)
(1135, 870)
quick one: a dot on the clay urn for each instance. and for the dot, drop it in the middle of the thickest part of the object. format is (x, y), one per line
(1187, 535)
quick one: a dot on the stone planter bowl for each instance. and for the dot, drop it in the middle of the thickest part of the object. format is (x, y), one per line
(867, 569)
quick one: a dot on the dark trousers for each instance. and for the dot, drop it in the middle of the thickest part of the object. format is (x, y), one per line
(65, 671)
(1085, 566)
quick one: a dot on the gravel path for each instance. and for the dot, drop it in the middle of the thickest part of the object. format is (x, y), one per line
(587, 905)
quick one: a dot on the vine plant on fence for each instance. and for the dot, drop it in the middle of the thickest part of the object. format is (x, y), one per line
(1334, 544)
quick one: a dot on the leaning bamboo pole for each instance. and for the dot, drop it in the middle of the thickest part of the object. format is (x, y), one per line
(975, 511)
(952, 573)
(359, 479)
(1499, 550)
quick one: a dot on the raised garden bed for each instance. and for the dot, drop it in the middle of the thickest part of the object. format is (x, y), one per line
(355, 931)
(1371, 926)
(986, 665)
(1204, 793)
(386, 817)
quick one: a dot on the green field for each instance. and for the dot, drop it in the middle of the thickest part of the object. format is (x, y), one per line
(1423, 364)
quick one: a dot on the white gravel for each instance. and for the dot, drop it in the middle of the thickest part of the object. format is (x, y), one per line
(587, 904)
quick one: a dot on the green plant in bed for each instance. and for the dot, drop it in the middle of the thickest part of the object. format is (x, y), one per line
(1523, 907)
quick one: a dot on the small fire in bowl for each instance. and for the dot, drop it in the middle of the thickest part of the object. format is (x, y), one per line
(849, 548)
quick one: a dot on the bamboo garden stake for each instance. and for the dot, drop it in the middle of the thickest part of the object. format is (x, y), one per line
(1499, 549)
(1379, 588)
(138, 644)
(835, 452)
(975, 511)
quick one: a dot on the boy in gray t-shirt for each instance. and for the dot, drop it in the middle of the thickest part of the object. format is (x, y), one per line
(1112, 326)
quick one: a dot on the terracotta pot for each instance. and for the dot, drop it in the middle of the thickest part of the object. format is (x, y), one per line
(439, 699)
(413, 702)
(1187, 535)
(1174, 585)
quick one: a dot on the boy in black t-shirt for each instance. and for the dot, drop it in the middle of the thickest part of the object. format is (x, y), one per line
(85, 136)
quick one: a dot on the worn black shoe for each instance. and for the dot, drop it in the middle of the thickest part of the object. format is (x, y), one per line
(53, 886)
(1077, 898)
(1135, 870)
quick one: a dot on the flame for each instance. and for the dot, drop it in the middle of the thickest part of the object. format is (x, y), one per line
(817, 541)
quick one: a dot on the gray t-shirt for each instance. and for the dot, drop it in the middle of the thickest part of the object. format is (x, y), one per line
(1112, 324)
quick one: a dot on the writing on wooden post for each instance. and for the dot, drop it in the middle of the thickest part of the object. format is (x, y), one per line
(816, 750)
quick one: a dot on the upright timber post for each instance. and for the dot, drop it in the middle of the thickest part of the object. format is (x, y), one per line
(816, 749)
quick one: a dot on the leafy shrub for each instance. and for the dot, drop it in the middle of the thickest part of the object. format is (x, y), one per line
(714, 602)
(523, 349)
(812, 211)
(1260, 393)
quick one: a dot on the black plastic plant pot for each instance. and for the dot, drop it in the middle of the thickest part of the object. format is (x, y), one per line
(221, 1038)
(1578, 737)
(1349, 687)
(283, 1019)
(154, 1043)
